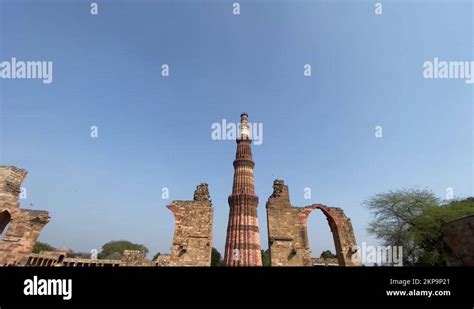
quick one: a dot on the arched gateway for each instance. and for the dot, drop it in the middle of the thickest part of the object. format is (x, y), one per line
(288, 235)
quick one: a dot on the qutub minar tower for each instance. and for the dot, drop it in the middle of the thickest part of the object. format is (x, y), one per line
(242, 246)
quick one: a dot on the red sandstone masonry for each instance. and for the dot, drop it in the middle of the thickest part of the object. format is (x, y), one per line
(243, 236)
(287, 230)
(25, 224)
(459, 236)
(192, 241)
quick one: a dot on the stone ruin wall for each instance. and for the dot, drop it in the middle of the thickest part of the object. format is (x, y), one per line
(135, 258)
(192, 241)
(288, 233)
(24, 226)
(459, 236)
(131, 258)
(343, 234)
(325, 262)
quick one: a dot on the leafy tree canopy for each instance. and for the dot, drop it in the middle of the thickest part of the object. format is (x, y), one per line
(428, 234)
(120, 246)
(413, 219)
(327, 254)
(41, 246)
(216, 258)
(266, 258)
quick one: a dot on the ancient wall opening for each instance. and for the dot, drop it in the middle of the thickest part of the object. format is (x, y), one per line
(5, 219)
(22, 226)
(288, 233)
(320, 239)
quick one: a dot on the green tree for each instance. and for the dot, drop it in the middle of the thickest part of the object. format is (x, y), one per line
(428, 232)
(327, 255)
(216, 258)
(266, 258)
(120, 246)
(394, 215)
(41, 246)
(413, 219)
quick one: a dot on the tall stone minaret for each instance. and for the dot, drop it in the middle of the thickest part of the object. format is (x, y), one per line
(242, 246)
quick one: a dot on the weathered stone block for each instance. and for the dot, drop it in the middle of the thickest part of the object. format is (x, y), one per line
(192, 241)
(459, 236)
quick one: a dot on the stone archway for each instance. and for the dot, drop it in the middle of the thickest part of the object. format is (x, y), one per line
(287, 230)
(342, 232)
(5, 219)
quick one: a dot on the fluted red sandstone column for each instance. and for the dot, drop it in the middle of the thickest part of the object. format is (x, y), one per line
(243, 236)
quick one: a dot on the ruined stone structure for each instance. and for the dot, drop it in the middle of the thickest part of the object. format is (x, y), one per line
(459, 236)
(288, 235)
(192, 241)
(134, 258)
(325, 262)
(60, 259)
(243, 237)
(287, 229)
(20, 227)
(163, 260)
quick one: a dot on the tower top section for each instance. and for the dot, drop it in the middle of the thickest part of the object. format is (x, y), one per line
(244, 126)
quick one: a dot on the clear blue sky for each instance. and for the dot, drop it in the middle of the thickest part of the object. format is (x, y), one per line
(155, 132)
